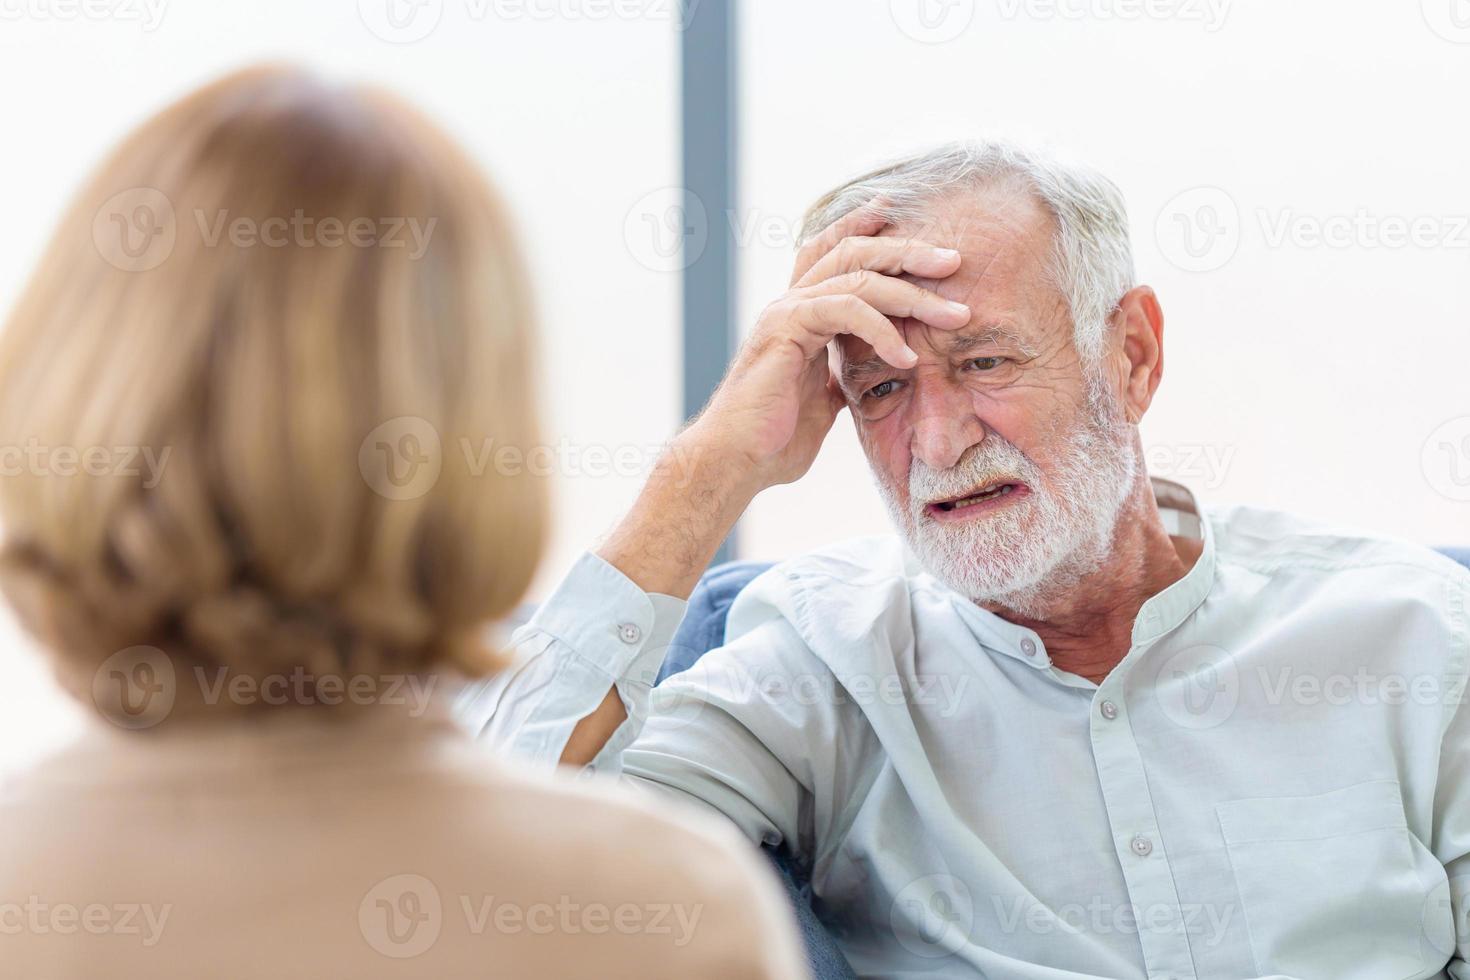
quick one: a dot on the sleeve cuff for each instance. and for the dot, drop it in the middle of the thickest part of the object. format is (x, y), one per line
(609, 621)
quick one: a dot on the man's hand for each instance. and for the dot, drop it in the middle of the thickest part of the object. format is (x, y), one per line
(778, 400)
(766, 421)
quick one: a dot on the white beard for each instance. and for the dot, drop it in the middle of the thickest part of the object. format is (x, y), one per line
(1027, 553)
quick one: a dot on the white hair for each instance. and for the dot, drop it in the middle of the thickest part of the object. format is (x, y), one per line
(1092, 260)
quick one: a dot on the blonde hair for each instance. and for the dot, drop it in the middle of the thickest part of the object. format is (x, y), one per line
(248, 340)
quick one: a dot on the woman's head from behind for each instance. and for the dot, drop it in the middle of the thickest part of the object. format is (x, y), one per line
(248, 392)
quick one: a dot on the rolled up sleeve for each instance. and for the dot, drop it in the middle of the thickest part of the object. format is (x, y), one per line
(597, 631)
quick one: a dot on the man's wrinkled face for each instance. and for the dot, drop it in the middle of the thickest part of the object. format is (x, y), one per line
(1003, 460)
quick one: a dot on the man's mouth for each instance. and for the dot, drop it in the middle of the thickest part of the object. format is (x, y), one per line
(976, 502)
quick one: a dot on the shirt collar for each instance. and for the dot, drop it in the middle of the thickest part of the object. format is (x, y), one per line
(1182, 517)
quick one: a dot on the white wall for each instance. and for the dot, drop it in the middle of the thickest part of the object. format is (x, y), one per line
(1313, 376)
(576, 117)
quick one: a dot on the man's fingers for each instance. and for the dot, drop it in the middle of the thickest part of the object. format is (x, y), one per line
(866, 220)
(896, 298)
(891, 256)
(821, 318)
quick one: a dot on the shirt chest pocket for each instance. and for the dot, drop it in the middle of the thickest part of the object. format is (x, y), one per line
(1330, 885)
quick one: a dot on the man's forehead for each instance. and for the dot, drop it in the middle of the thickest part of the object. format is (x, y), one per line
(1004, 241)
(1004, 247)
(983, 218)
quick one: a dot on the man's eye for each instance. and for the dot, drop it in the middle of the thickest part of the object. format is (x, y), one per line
(985, 363)
(882, 390)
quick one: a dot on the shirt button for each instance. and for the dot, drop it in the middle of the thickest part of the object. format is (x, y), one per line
(1028, 647)
(1109, 710)
(629, 633)
(1142, 846)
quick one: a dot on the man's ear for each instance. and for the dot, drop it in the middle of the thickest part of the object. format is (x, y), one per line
(1139, 324)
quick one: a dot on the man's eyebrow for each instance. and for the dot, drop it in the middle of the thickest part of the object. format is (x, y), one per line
(855, 371)
(959, 344)
(990, 337)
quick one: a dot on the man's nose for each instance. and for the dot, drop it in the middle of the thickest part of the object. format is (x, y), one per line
(944, 428)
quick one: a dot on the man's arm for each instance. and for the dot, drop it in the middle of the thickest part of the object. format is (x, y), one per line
(766, 421)
(688, 507)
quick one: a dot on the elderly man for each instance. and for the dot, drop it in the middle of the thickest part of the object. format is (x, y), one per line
(1068, 723)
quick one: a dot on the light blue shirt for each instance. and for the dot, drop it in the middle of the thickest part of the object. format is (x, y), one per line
(1275, 780)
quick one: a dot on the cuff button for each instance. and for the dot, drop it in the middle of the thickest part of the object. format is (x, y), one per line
(629, 633)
